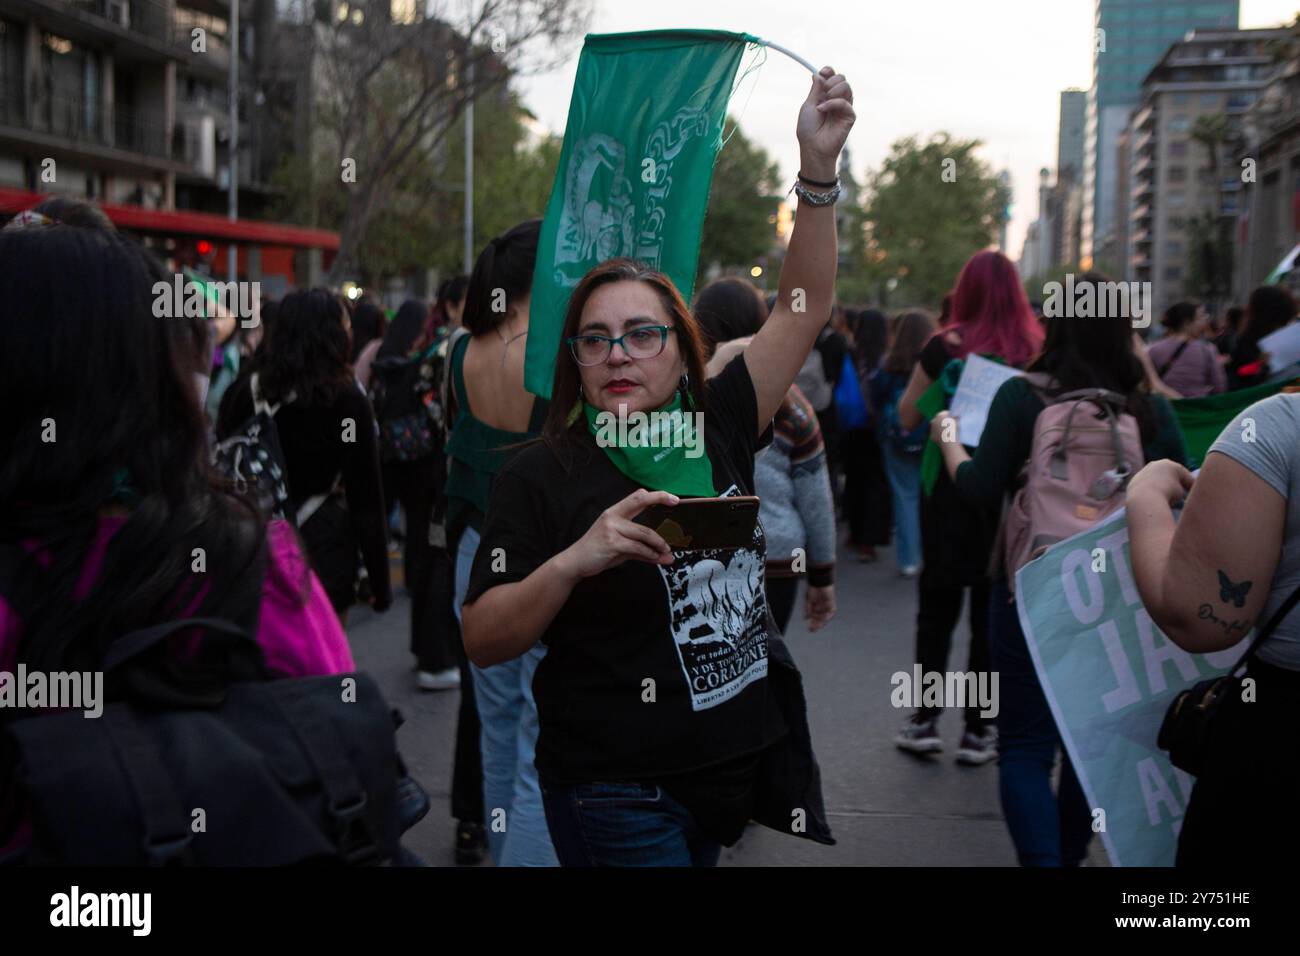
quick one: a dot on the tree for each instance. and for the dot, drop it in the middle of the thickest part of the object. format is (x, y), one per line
(929, 208)
(422, 225)
(1209, 271)
(385, 90)
(742, 200)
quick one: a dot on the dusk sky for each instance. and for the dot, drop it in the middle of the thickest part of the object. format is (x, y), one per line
(991, 70)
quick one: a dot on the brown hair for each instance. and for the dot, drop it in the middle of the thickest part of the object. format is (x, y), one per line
(690, 341)
(911, 331)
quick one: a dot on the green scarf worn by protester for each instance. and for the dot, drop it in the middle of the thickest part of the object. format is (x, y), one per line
(653, 453)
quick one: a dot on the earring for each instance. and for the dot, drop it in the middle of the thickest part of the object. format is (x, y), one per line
(581, 397)
(686, 381)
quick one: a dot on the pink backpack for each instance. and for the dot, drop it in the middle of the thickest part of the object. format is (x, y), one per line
(1084, 451)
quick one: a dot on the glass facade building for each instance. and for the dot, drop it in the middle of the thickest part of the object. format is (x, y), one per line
(1130, 38)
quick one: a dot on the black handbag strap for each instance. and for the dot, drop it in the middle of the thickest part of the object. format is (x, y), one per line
(167, 833)
(345, 795)
(137, 642)
(1268, 629)
(1169, 363)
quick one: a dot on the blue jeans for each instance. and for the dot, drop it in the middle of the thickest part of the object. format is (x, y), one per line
(512, 800)
(904, 472)
(1048, 829)
(624, 824)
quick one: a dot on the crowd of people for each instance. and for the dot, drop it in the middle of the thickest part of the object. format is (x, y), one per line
(535, 593)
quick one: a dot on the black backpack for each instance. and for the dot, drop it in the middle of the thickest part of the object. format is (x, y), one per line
(253, 459)
(282, 772)
(405, 395)
(264, 772)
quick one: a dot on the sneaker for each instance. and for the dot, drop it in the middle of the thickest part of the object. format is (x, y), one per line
(448, 679)
(920, 735)
(978, 748)
(471, 843)
(909, 571)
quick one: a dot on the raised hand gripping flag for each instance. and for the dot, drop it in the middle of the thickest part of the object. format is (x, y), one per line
(644, 129)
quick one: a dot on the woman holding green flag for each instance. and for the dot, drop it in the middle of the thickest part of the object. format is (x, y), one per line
(670, 711)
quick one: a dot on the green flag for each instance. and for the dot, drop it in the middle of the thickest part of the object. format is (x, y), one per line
(1202, 419)
(645, 125)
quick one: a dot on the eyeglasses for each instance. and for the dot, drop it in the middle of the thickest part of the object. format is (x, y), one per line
(643, 342)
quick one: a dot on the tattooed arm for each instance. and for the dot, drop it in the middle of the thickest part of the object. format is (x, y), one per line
(1205, 580)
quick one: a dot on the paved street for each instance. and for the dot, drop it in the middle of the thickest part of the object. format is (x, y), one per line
(886, 807)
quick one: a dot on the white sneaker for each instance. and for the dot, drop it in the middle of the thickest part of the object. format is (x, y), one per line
(448, 679)
(978, 748)
(909, 571)
(920, 735)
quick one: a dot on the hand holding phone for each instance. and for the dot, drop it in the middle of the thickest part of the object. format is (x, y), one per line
(704, 524)
(615, 537)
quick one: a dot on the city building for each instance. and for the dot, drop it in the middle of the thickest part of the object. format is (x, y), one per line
(1270, 226)
(1038, 255)
(1053, 238)
(1118, 245)
(1187, 142)
(1068, 193)
(125, 102)
(1071, 134)
(1129, 37)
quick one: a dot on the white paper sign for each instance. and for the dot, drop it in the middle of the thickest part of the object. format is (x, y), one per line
(979, 382)
(1282, 346)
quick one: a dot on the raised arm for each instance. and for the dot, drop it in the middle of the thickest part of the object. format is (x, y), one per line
(807, 288)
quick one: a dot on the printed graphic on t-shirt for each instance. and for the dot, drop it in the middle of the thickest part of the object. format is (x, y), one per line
(718, 614)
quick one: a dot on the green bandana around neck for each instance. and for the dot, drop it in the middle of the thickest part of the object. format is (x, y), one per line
(652, 449)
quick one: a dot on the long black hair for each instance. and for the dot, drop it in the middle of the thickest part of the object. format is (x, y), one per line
(407, 331)
(368, 323)
(870, 339)
(1097, 352)
(728, 309)
(506, 263)
(102, 416)
(307, 349)
(1270, 308)
(1179, 315)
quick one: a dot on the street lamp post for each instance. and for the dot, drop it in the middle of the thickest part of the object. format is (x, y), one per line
(469, 159)
(232, 193)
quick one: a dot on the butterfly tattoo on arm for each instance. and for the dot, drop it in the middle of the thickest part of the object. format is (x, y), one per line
(1233, 593)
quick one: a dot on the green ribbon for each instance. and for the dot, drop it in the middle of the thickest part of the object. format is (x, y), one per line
(652, 448)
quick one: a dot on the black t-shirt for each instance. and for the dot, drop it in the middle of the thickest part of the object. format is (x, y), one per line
(320, 448)
(833, 347)
(935, 356)
(696, 628)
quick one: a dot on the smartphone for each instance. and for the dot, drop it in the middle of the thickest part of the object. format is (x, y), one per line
(704, 524)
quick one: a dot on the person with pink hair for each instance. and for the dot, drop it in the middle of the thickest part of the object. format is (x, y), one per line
(990, 316)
